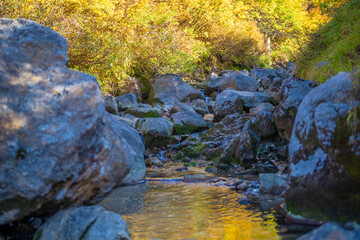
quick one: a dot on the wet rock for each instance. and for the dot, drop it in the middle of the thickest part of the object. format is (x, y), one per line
(272, 183)
(197, 178)
(130, 198)
(142, 110)
(324, 152)
(58, 144)
(157, 131)
(242, 186)
(200, 106)
(334, 231)
(169, 88)
(235, 81)
(110, 105)
(186, 120)
(153, 162)
(290, 95)
(243, 200)
(227, 102)
(270, 202)
(88, 223)
(126, 101)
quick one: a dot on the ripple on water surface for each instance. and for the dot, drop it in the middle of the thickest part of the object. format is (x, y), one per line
(178, 210)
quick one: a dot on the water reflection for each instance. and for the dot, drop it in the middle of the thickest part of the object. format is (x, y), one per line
(177, 210)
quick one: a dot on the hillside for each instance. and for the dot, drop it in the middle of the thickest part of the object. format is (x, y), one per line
(335, 47)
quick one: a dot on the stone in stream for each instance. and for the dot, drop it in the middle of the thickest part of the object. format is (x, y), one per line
(58, 145)
(169, 88)
(197, 178)
(87, 223)
(157, 131)
(290, 95)
(235, 81)
(330, 230)
(126, 101)
(142, 110)
(227, 102)
(186, 119)
(324, 150)
(272, 183)
(110, 105)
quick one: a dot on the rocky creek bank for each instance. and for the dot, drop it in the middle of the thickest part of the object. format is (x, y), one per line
(64, 145)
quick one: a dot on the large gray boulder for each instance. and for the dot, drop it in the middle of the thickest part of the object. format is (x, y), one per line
(324, 150)
(87, 223)
(169, 88)
(330, 230)
(290, 95)
(58, 145)
(157, 131)
(227, 102)
(235, 81)
(186, 120)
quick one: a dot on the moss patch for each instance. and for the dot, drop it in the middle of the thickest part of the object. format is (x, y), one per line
(194, 151)
(182, 129)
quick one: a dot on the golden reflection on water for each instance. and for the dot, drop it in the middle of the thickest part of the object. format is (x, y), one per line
(180, 210)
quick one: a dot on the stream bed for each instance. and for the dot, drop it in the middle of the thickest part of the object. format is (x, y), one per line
(172, 209)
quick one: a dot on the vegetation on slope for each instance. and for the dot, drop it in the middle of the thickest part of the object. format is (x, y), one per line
(335, 47)
(118, 39)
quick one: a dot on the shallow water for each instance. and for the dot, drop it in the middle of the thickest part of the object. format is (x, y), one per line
(178, 210)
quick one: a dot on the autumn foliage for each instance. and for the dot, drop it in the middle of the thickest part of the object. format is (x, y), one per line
(118, 39)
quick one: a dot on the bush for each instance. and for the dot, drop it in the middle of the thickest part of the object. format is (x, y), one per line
(118, 39)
